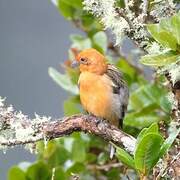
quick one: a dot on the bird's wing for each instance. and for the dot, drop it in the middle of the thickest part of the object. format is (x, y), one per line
(116, 77)
(120, 91)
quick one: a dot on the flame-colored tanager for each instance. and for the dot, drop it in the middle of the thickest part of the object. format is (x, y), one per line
(103, 92)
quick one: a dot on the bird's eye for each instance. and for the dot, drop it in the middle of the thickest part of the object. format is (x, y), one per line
(83, 60)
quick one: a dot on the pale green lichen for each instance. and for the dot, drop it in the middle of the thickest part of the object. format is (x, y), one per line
(175, 73)
(172, 68)
(31, 147)
(17, 127)
(126, 21)
(105, 11)
(120, 21)
(162, 9)
(154, 48)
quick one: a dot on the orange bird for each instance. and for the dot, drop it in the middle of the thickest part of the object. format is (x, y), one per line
(103, 92)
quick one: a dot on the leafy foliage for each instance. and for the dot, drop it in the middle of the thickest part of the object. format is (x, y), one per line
(147, 149)
(72, 10)
(63, 80)
(168, 142)
(167, 34)
(145, 108)
(84, 155)
(124, 157)
(143, 103)
(16, 173)
(147, 152)
(38, 170)
(160, 59)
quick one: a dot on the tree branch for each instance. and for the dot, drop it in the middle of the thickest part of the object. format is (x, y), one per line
(171, 163)
(144, 9)
(18, 129)
(105, 167)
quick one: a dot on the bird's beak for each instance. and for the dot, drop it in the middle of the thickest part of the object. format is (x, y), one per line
(74, 64)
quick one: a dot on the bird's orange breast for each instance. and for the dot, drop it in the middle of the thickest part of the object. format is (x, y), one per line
(95, 94)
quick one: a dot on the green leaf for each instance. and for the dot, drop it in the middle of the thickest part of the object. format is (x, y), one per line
(76, 168)
(147, 152)
(139, 120)
(39, 171)
(63, 80)
(145, 96)
(124, 157)
(175, 21)
(24, 165)
(55, 153)
(120, 3)
(160, 59)
(102, 158)
(65, 9)
(163, 37)
(165, 24)
(128, 71)
(60, 174)
(74, 3)
(167, 40)
(96, 142)
(90, 24)
(80, 42)
(91, 158)
(165, 104)
(73, 73)
(151, 129)
(142, 105)
(141, 134)
(71, 106)
(167, 32)
(100, 41)
(169, 141)
(16, 173)
(113, 174)
(78, 151)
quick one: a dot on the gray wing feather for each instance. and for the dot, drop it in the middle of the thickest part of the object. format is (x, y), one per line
(120, 92)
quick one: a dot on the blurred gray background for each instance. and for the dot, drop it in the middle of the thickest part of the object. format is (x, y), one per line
(33, 36)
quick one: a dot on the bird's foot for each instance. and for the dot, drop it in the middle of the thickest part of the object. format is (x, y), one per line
(97, 119)
(91, 116)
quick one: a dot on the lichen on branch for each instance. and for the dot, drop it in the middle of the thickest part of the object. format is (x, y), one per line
(129, 20)
(17, 129)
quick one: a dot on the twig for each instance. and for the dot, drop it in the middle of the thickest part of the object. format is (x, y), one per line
(105, 167)
(169, 170)
(175, 88)
(126, 5)
(144, 9)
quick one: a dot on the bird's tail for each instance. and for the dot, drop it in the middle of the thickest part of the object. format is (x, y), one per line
(112, 151)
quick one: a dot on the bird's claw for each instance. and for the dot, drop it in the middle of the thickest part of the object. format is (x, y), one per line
(98, 120)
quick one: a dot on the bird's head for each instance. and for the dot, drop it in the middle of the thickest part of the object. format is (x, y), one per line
(92, 61)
